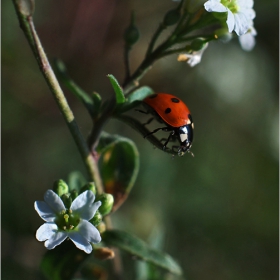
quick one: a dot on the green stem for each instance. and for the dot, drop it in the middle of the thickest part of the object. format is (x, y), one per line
(27, 25)
(126, 61)
(154, 38)
(132, 82)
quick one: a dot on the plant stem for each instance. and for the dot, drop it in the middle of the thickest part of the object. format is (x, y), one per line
(27, 25)
(132, 82)
(160, 28)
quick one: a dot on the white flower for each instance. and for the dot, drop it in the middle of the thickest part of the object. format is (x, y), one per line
(240, 13)
(192, 58)
(73, 222)
(247, 41)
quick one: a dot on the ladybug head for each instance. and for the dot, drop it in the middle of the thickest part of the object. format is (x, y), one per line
(186, 137)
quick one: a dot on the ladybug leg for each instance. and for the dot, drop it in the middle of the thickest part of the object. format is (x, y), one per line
(148, 121)
(156, 130)
(147, 113)
(172, 139)
(175, 149)
(168, 139)
(141, 111)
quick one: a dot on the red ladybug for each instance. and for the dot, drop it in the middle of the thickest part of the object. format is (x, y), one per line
(172, 111)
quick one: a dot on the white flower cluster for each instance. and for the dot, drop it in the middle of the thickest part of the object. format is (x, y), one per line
(240, 15)
(239, 18)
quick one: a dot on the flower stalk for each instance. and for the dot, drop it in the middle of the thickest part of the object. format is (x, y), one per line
(27, 25)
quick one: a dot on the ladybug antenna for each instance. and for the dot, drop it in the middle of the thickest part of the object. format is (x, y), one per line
(191, 153)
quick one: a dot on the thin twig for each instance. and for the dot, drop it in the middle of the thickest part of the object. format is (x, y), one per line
(27, 25)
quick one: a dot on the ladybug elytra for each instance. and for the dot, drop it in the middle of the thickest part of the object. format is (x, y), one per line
(175, 114)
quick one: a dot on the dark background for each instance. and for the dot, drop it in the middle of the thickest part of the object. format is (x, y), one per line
(217, 213)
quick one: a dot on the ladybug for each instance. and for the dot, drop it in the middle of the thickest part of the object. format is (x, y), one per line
(176, 116)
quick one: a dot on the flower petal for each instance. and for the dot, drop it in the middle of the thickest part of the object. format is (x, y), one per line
(214, 6)
(84, 206)
(247, 41)
(245, 3)
(241, 24)
(250, 13)
(55, 239)
(89, 232)
(54, 201)
(91, 210)
(80, 241)
(230, 21)
(44, 211)
(46, 231)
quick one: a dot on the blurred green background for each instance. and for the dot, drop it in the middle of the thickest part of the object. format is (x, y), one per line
(217, 213)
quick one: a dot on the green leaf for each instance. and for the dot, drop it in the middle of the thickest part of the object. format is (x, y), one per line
(134, 99)
(90, 102)
(119, 165)
(137, 247)
(62, 262)
(120, 98)
(138, 126)
(97, 100)
(76, 180)
(140, 94)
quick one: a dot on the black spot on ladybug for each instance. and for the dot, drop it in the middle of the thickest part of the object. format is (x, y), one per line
(175, 100)
(153, 96)
(167, 110)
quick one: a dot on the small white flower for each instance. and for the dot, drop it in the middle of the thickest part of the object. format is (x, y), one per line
(73, 222)
(240, 13)
(192, 58)
(247, 41)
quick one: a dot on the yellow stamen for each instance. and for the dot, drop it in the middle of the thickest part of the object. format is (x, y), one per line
(66, 218)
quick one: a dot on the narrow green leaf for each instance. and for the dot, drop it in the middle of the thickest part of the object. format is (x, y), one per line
(140, 94)
(62, 262)
(75, 89)
(134, 99)
(119, 165)
(137, 247)
(120, 98)
(97, 100)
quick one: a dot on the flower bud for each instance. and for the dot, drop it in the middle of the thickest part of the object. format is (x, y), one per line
(73, 194)
(97, 219)
(60, 187)
(131, 34)
(104, 253)
(88, 187)
(198, 44)
(67, 200)
(171, 18)
(223, 35)
(101, 227)
(107, 203)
